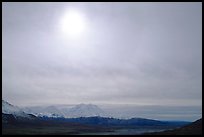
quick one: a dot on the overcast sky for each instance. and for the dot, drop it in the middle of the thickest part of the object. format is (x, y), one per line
(128, 53)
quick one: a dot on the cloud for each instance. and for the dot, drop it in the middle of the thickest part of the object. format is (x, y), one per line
(133, 53)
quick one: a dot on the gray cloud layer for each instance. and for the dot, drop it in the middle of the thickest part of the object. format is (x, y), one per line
(131, 53)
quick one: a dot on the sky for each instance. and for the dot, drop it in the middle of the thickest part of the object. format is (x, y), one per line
(128, 53)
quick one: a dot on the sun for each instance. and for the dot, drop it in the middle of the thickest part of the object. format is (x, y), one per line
(72, 23)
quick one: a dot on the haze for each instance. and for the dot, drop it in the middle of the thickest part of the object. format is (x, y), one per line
(129, 53)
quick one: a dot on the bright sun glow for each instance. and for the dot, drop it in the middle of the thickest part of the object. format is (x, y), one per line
(72, 23)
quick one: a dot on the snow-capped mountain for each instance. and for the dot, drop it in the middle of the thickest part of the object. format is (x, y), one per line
(7, 108)
(53, 111)
(49, 111)
(80, 110)
(85, 110)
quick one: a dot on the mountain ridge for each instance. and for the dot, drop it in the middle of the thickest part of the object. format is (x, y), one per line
(194, 128)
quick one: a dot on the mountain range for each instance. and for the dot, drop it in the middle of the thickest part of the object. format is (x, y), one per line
(81, 113)
(80, 110)
(88, 117)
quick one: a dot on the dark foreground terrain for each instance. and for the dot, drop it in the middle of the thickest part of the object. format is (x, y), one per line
(52, 130)
(194, 128)
(78, 130)
(83, 126)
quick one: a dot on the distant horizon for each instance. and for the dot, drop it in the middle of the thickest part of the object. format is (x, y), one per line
(95, 103)
(144, 114)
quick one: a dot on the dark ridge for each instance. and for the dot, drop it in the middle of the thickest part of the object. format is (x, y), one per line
(195, 128)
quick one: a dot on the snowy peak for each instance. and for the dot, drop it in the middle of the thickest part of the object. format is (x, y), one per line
(52, 111)
(7, 108)
(49, 111)
(85, 110)
(80, 110)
